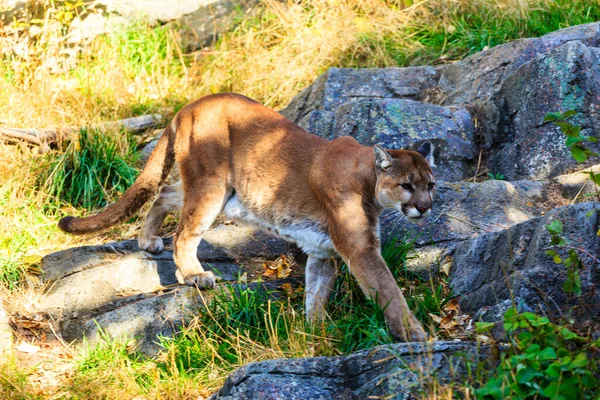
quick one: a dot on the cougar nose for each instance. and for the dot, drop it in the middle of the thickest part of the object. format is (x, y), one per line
(422, 210)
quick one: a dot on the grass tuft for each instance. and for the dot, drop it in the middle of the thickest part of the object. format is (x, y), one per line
(92, 171)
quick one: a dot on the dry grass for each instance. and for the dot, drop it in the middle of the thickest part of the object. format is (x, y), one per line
(276, 51)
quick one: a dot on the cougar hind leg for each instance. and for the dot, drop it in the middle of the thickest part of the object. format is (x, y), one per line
(170, 199)
(201, 207)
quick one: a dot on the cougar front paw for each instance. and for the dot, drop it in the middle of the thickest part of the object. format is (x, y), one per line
(412, 331)
(153, 245)
(201, 280)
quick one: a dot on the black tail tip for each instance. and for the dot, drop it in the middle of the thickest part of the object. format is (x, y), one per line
(65, 224)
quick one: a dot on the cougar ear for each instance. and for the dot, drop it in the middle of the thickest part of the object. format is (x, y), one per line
(426, 150)
(383, 160)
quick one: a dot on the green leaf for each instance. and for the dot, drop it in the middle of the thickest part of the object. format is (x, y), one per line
(580, 361)
(568, 286)
(569, 113)
(590, 153)
(553, 370)
(547, 354)
(540, 321)
(557, 259)
(525, 375)
(577, 283)
(568, 335)
(552, 390)
(563, 352)
(555, 227)
(554, 116)
(571, 140)
(525, 337)
(578, 154)
(482, 327)
(533, 349)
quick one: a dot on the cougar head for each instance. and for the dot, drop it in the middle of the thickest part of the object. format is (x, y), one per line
(405, 181)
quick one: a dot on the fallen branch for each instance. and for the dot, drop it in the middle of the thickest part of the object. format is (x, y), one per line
(41, 137)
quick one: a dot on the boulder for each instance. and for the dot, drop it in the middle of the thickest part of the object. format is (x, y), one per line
(199, 22)
(479, 76)
(123, 291)
(153, 11)
(520, 144)
(395, 371)
(399, 123)
(342, 85)
(493, 271)
(203, 26)
(463, 210)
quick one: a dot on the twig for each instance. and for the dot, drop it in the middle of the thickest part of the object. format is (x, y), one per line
(478, 165)
(20, 136)
(41, 137)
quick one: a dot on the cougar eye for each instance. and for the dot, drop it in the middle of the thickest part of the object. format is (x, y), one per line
(407, 186)
(430, 185)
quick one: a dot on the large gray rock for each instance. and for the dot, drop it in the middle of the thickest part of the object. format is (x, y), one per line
(493, 271)
(342, 85)
(154, 11)
(521, 146)
(399, 123)
(398, 371)
(463, 210)
(203, 26)
(479, 76)
(127, 292)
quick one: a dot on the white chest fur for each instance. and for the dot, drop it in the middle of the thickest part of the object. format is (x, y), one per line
(308, 235)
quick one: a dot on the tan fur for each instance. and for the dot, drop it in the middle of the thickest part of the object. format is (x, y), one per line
(237, 156)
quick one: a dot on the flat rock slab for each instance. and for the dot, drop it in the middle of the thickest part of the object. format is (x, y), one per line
(123, 290)
(496, 270)
(396, 371)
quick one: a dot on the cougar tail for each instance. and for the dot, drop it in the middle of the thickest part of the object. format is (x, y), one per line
(143, 189)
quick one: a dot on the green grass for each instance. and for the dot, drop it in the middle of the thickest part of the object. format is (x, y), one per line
(92, 171)
(13, 381)
(461, 32)
(247, 323)
(354, 322)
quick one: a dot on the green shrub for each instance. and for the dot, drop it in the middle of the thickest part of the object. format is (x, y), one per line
(543, 361)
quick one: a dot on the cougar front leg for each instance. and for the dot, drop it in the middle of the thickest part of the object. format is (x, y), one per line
(320, 280)
(378, 283)
(169, 200)
(201, 206)
(355, 238)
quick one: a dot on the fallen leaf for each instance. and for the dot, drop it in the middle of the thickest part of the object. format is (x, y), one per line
(436, 318)
(452, 305)
(25, 347)
(287, 289)
(445, 268)
(280, 268)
